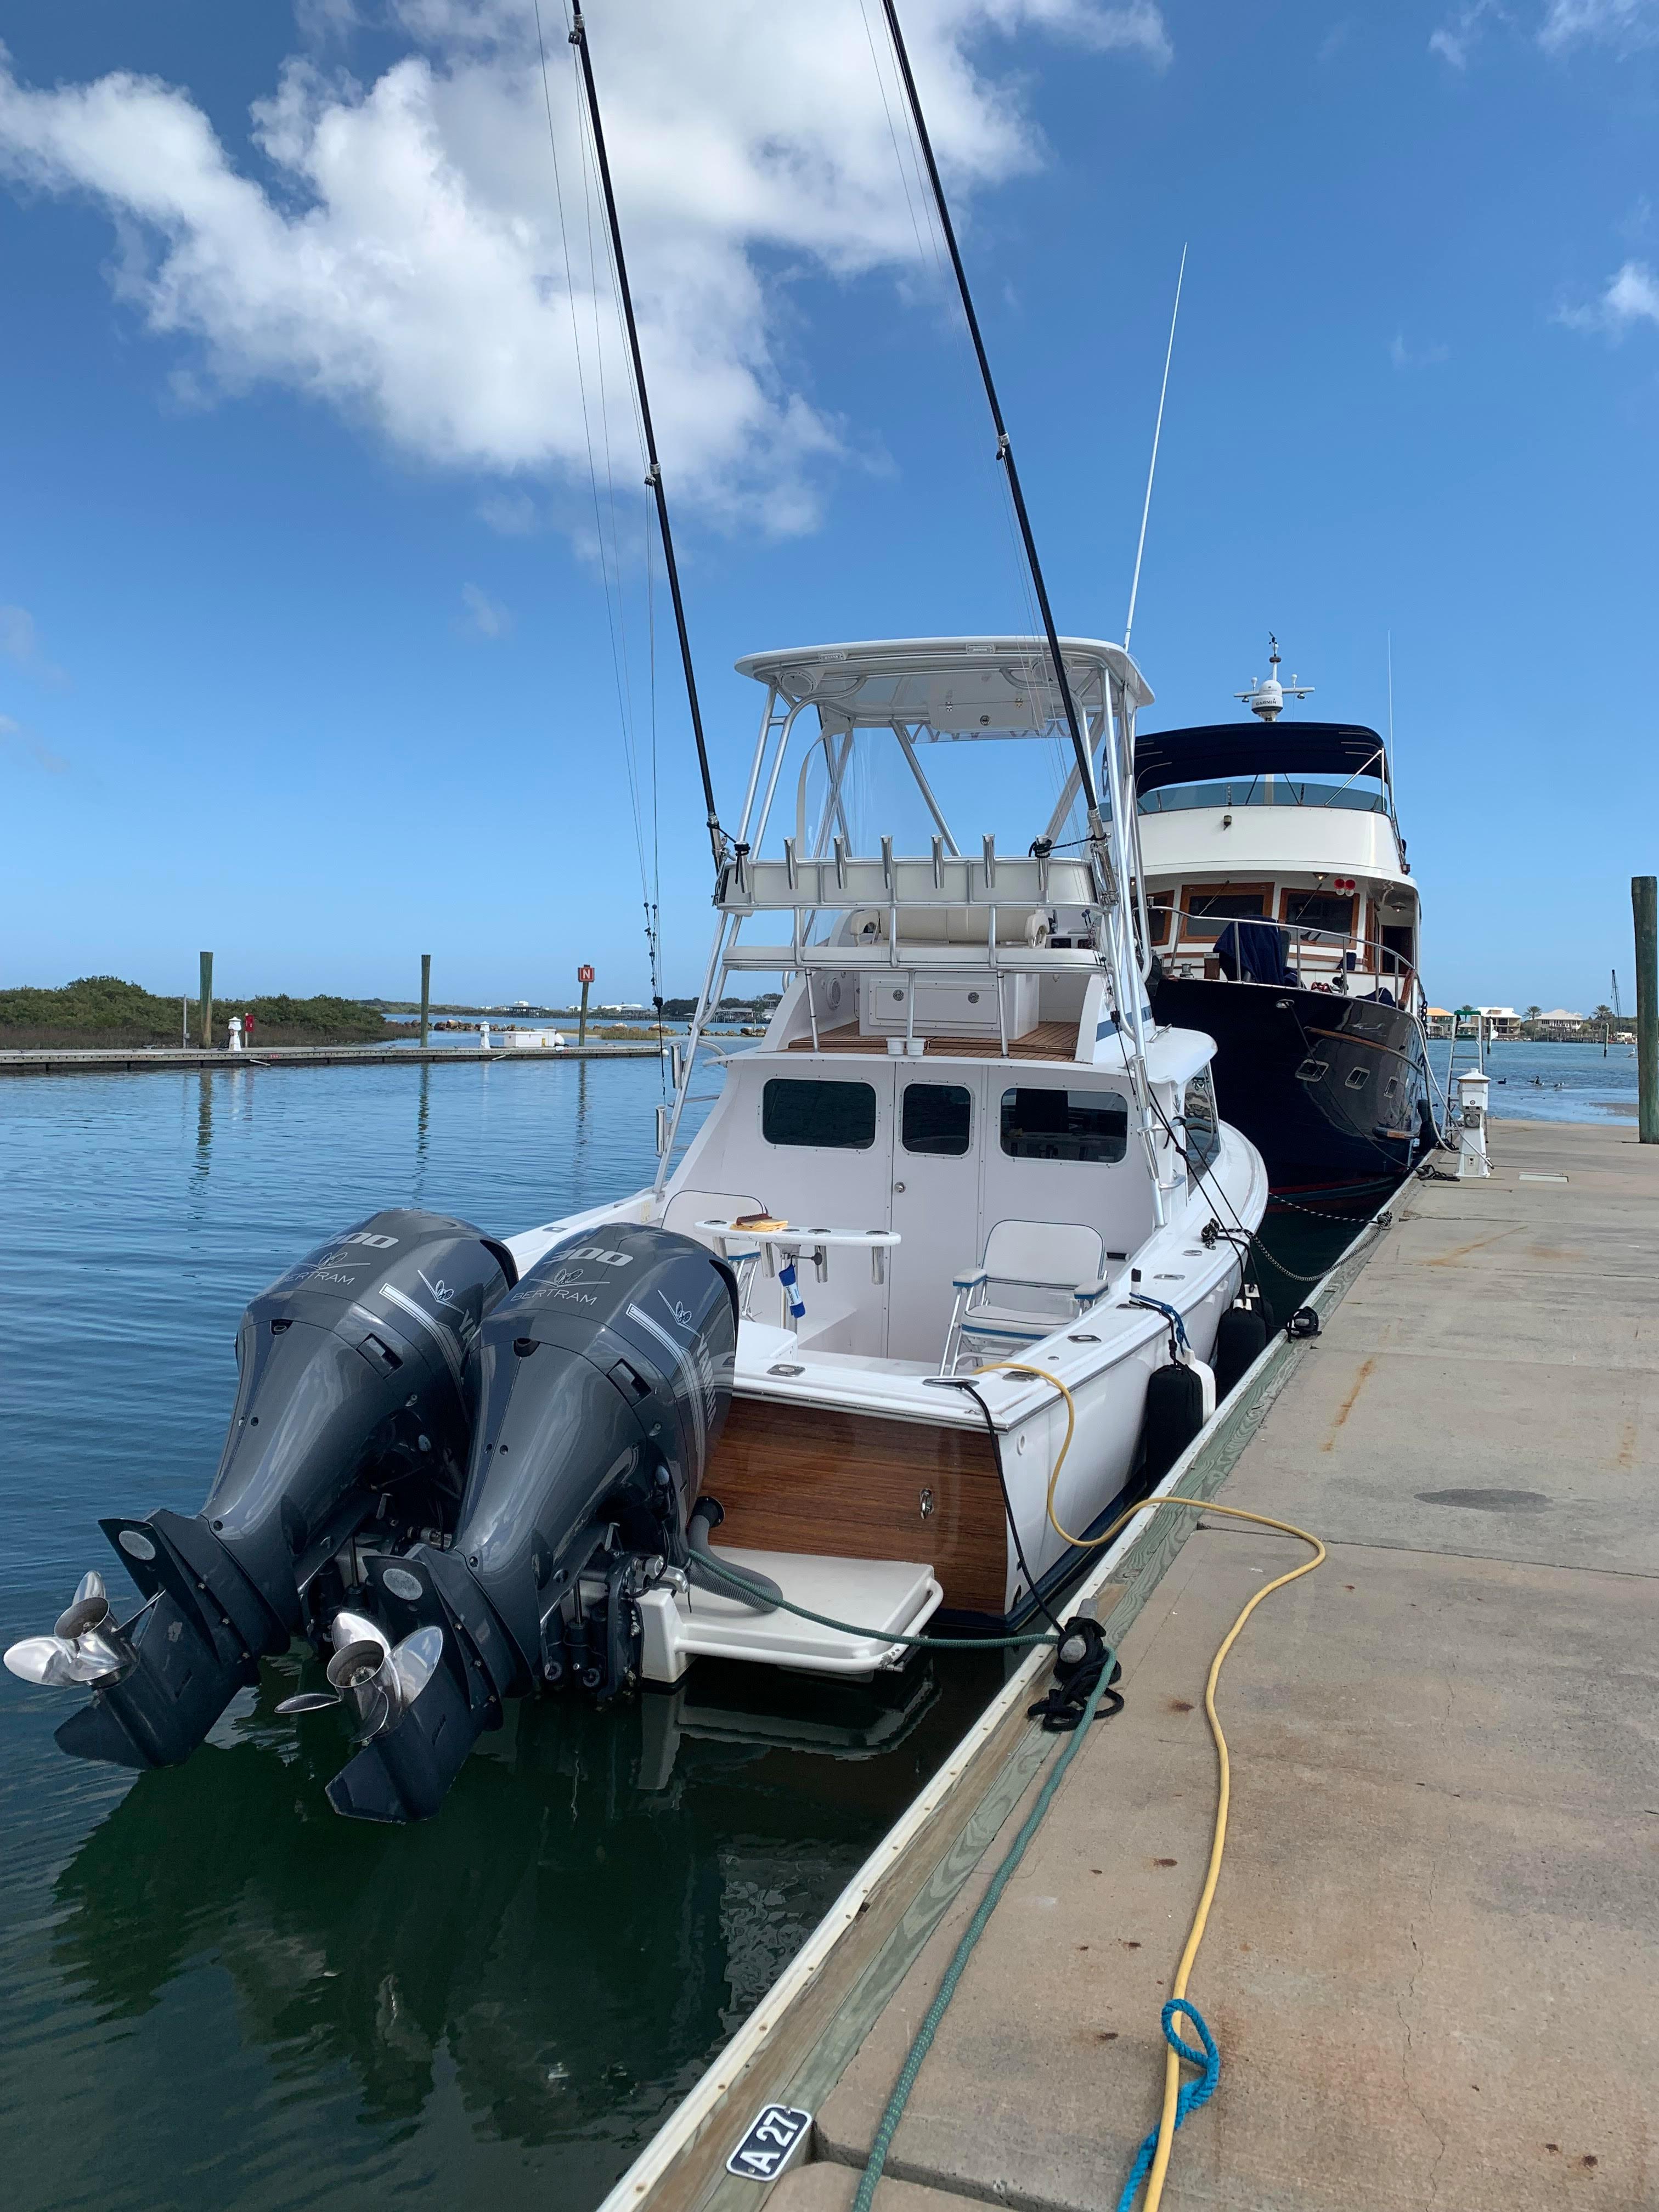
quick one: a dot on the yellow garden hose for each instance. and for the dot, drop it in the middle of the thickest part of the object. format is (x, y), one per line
(1224, 1790)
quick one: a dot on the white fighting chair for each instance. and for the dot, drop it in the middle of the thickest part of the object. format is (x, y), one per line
(1035, 1275)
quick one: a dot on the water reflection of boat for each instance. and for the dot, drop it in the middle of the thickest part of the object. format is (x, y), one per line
(492, 1943)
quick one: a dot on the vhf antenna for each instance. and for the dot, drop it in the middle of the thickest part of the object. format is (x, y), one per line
(1005, 444)
(579, 39)
(1158, 431)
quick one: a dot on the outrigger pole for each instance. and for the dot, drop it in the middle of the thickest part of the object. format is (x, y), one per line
(1004, 443)
(579, 39)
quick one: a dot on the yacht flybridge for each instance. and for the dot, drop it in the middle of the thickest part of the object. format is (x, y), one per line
(1286, 923)
(939, 1277)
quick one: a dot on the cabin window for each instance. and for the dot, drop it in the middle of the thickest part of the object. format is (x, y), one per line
(938, 1118)
(1320, 910)
(1203, 1129)
(833, 1117)
(1397, 947)
(1158, 906)
(1065, 1125)
(1209, 911)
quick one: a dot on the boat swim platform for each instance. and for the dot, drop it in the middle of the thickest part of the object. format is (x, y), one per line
(1433, 1964)
(115, 1059)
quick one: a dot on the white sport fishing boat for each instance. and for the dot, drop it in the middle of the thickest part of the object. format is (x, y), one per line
(961, 1144)
(936, 1282)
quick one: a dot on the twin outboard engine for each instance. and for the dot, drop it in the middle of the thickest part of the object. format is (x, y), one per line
(353, 1423)
(606, 1375)
(456, 1483)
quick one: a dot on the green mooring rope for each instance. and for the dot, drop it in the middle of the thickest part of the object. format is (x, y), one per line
(963, 1952)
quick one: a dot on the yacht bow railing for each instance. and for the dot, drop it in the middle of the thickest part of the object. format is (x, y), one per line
(1352, 953)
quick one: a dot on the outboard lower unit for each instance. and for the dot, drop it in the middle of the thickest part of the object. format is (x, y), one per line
(353, 1423)
(606, 1378)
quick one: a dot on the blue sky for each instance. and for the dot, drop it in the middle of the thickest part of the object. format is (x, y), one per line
(305, 650)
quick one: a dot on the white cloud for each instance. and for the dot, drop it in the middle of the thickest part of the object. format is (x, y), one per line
(405, 263)
(16, 734)
(1409, 357)
(20, 641)
(1623, 24)
(1131, 26)
(1461, 32)
(509, 513)
(1629, 297)
(484, 619)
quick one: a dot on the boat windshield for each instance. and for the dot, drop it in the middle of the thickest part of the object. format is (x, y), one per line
(1362, 798)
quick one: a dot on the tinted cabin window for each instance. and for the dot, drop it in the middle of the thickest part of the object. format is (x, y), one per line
(836, 1117)
(1397, 942)
(1203, 1133)
(1319, 910)
(1207, 910)
(1159, 907)
(938, 1118)
(1065, 1125)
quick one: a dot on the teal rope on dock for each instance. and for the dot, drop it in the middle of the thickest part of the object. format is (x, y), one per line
(963, 1952)
(1193, 2094)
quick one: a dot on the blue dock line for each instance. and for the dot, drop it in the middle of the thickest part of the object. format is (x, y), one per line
(1193, 2094)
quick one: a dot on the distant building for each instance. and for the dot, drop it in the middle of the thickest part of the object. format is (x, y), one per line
(1559, 1023)
(1501, 1021)
(1437, 1021)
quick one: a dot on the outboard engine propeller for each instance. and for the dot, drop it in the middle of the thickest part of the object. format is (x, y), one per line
(359, 1381)
(84, 1647)
(606, 1378)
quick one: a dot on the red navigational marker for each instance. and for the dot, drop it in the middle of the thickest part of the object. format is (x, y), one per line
(584, 976)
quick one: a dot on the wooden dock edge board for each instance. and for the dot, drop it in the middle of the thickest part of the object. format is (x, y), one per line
(794, 2046)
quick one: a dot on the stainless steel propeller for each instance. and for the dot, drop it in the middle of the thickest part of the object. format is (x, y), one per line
(375, 1683)
(86, 1647)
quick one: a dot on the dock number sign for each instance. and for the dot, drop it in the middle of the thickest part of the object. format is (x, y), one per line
(584, 975)
(774, 2137)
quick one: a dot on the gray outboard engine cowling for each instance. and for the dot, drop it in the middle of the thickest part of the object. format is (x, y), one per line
(606, 1375)
(354, 1410)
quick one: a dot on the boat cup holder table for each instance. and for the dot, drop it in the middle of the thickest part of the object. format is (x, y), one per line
(743, 1245)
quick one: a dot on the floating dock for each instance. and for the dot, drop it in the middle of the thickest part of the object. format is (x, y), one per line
(1432, 1961)
(99, 1062)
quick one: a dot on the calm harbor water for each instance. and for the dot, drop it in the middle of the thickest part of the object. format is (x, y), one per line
(212, 1990)
(1556, 1082)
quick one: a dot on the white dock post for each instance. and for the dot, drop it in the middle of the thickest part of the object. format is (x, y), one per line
(483, 1036)
(235, 1043)
(1472, 1161)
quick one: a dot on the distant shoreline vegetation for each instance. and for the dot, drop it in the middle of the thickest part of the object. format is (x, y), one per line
(104, 1009)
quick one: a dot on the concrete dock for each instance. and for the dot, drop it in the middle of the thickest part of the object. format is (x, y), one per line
(70, 1061)
(1433, 1967)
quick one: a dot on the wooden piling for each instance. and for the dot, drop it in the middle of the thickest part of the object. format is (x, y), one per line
(1644, 907)
(426, 996)
(204, 1011)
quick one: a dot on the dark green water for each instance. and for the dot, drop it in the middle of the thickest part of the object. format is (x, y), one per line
(212, 1990)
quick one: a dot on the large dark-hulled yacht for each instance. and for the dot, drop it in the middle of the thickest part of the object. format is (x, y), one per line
(1285, 924)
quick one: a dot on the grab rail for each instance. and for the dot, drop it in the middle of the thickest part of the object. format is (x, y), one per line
(1378, 958)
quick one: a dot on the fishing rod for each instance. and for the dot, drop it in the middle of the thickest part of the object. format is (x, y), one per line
(1004, 443)
(1152, 472)
(653, 479)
